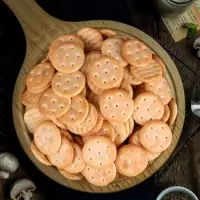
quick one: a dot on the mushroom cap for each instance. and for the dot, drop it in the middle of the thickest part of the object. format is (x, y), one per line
(8, 162)
(196, 44)
(4, 174)
(20, 186)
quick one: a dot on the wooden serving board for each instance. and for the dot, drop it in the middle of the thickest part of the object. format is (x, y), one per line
(40, 30)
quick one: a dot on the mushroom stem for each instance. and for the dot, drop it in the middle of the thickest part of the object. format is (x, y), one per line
(27, 195)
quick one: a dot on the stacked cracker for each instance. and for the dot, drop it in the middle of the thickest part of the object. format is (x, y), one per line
(98, 104)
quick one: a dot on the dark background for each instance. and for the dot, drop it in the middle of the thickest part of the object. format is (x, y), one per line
(12, 51)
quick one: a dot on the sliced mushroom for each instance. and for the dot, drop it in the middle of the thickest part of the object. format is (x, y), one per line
(22, 189)
(8, 162)
(4, 175)
(196, 46)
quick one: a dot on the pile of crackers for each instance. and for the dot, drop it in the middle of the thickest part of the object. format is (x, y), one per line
(98, 105)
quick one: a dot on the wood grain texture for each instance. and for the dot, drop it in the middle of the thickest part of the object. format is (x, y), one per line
(40, 30)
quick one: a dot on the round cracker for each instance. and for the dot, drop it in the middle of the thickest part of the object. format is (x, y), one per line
(152, 156)
(125, 85)
(67, 134)
(75, 177)
(136, 53)
(88, 60)
(105, 72)
(161, 88)
(116, 105)
(53, 106)
(107, 33)
(148, 106)
(78, 163)
(33, 117)
(100, 177)
(126, 125)
(149, 73)
(120, 133)
(47, 138)
(64, 156)
(67, 38)
(91, 38)
(59, 124)
(130, 77)
(161, 63)
(39, 77)
(173, 112)
(155, 136)
(131, 160)
(99, 152)
(41, 90)
(88, 124)
(77, 112)
(68, 85)
(93, 87)
(112, 47)
(41, 157)
(166, 114)
(30, 99)
(67, 57)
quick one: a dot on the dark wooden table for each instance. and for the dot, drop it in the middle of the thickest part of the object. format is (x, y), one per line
(183, 166)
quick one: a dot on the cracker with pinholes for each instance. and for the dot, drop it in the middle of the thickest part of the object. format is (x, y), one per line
(68, 85)
(64, 156)
(78, 163)
(161, 88)
(77, 112)
(136, 53)
(39, 78)
(67, 38)
(155, 136)
(99, 152)
(166, 114)
(53, 106)
(88, 124)
(59, 124)
(131, 160)
(116, 105)
(47, 138)
(67, 57)
(105, 72)
(112, 47)
(100, 177)
(148, 106)
(91, 38)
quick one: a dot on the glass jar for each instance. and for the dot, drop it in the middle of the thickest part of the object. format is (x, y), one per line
(171, 8)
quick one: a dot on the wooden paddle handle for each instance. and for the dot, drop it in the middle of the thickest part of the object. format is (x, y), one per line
(36, 23)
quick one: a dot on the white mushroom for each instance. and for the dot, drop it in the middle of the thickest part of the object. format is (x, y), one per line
(4, 175)
(22, 189)
(8, 162)
(196, 46)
